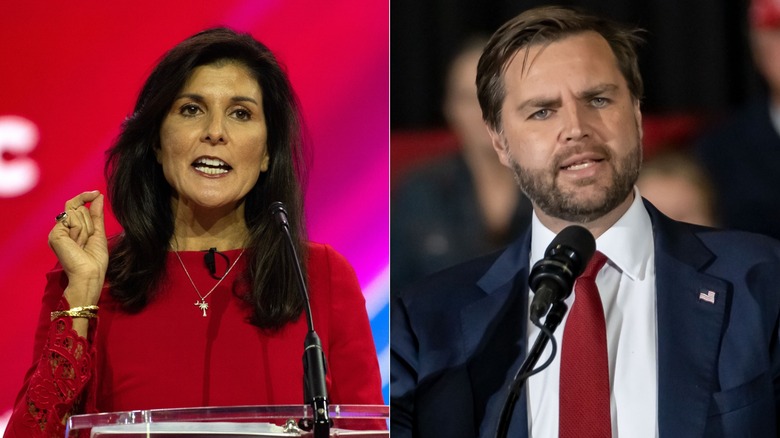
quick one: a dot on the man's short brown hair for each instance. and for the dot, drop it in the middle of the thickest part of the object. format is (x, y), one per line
(542, 26)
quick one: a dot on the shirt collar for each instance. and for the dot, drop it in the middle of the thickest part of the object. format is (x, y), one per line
(628, 243)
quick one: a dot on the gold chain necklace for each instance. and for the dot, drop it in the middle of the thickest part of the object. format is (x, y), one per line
(202, 304)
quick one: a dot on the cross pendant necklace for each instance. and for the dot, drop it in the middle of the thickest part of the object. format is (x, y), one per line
(202, 304)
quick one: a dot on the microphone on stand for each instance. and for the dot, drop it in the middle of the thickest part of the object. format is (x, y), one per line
(315, 392)
(552, 278)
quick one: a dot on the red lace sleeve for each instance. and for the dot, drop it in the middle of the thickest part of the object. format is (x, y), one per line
(58, 384)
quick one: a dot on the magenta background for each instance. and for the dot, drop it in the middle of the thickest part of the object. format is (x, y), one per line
(74, 69)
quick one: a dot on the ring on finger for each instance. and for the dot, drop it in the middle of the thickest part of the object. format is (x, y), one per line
(63, 219)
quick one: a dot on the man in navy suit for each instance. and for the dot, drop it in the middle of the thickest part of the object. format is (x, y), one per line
(742, 152)
(691, 313)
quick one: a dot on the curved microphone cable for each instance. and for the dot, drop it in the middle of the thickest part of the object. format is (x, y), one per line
(315, 391)
(552, 279)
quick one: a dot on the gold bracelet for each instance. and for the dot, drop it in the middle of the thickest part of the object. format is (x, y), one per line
(73, 313)
(88, 308)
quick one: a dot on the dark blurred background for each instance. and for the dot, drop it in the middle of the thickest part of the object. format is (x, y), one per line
(703, 94)
(696, 60)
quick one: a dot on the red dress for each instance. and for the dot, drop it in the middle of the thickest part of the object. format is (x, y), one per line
(170, 355)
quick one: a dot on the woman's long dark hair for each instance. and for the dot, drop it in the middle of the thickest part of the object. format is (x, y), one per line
(141, 197)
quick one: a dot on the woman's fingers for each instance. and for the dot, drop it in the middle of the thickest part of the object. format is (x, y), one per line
(79, 241)
(87, 218)
(79, 202)
(85, 225)
(74, 224)
(96, 212)
(79, 219)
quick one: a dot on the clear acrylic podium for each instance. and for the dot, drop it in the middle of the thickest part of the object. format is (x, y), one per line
(233, 421)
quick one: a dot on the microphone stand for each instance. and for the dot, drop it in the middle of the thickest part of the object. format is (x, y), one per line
(554, 318)
(314, 388)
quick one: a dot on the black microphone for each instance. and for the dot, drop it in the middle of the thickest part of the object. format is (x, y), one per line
(552, 277)
(315, 391)
(211, 263)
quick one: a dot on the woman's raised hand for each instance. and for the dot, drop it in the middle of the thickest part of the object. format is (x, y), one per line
(79, 241)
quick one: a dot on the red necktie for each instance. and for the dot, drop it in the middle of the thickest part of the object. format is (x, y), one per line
(584, 391)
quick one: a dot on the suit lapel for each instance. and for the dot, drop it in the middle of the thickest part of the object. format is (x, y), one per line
(494, 337)
(691, 307)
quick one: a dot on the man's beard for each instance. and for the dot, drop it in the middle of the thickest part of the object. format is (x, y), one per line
(542, 189)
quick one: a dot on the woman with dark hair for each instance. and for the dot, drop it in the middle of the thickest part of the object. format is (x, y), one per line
(214, 140)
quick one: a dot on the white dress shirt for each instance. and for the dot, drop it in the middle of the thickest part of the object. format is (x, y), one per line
(627, 288)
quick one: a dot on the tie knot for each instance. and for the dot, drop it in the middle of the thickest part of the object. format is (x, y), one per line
(595, 265)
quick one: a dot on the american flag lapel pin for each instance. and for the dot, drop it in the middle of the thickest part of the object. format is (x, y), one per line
(708, 296)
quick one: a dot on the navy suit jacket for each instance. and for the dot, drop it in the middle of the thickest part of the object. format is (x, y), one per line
(459, 337)
(741, 156)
